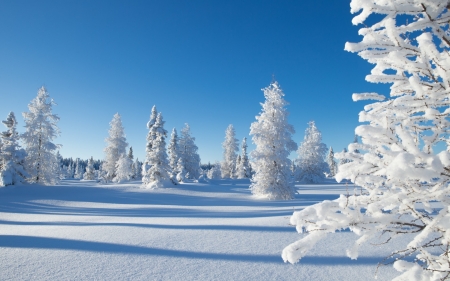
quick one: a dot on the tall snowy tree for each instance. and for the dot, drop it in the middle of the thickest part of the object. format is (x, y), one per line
(332, 165)
(41, 129)
(174, 154)
(137, 170)
(405, 184)
(130, 153)
(116, 145)
(158, 174)
(230, 147)
(189, 154)
(150, 138)
(90, 170)
(243, 168)
(12, 157)
(311, 156)
(272, 135)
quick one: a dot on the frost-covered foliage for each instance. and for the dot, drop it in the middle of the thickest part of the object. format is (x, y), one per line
(405, 188)
(79, 170)
(90, 170)
(272, 136)
(115, 148)
(214, 172)
(243, 167)
(332, 165)
(311, 156)
(123, 169)
(230, 147)
(41, 129)
(173, 151)
(181, 171)
(159, 172)
(12, 157)
(136, 170)
(189, 154)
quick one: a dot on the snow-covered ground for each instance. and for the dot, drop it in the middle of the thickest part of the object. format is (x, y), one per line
(82, 230)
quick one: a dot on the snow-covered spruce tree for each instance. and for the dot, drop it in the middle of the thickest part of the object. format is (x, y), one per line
(311, 156)
(130, 154)
(243, 168)
(116, 146)
(12, 157)
(188, 153)
(405, 184)
(272, 136)
(181, 171)
(158, 174)
(174, 155)
(332, 165)
(41, 129)
(214, 172)
(123, 169)
(150, 138)
(90, 170)
(78, 169)
(137, 169)
(230, 147)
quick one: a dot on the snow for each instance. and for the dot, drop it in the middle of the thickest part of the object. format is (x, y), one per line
(214, 230)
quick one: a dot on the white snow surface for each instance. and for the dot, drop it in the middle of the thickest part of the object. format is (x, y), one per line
(83, 230)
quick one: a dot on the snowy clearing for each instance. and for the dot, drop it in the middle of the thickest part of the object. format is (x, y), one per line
(195, 231)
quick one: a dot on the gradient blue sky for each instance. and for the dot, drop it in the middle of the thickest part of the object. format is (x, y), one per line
(200, 62)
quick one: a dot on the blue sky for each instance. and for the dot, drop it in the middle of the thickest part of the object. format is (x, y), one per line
(200, 62)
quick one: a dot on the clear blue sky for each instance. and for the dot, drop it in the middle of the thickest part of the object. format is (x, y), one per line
(200, 62)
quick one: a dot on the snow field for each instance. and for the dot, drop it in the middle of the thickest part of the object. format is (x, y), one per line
(197, 231)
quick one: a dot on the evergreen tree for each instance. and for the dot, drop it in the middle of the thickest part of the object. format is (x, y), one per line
(272, 136)
(181, 171)
(230, 147)
(12, 157)
(123, 169)
(150, 138)
(174, 154)
(311, 156)
(399, 174)
(188, 154)
(41, 129)
(115, 148)
(90, 171)
(78, 169)
(243, 168)
(137, 170)
(332, 165)
(130, 153)
(61, 169)
(159, 172)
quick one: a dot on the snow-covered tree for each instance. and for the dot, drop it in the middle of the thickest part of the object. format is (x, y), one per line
(230, 147)
(332, 165)
(272, 135)
(158, 174)
(214, 172)
(115, 148)
(136, 170)
(343, 160)
(181, 171)
(311, 156)
(62, 172)
(78, 169)
(243, 168)
(405, 184)
(174, 154)
(130, 154)
(189, 154)
(123, 169)
(90, 170)
(41, 129)
(12, 157)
